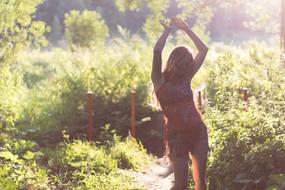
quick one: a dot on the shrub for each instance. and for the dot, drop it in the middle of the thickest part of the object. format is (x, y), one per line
(129, 154)
(247, 138)
(246, 149)
(18, 29)
(83, 165)
(84, 29)
(19, 166)
(10, 99)
(58, 103)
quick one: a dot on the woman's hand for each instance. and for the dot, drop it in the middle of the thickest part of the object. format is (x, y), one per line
(167, 25)
(179, 23)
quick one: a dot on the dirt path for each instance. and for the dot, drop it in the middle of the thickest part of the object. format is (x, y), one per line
(156, 176)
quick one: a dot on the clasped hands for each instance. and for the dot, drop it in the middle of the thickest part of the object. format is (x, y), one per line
(174, 22)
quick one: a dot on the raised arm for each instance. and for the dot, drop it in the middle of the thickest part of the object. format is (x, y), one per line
(200, 45)
(156, 74)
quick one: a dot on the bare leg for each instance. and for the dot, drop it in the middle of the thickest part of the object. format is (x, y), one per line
(199, 162)
(180, 167)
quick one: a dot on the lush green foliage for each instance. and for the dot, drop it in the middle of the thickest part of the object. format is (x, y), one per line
(35, 101)
(71, 165)
(247, 138)
(17, 27)
(128, 156)
(17, 30)
(19, 164)
(127, 4)
(58, 101)
(10, 87)
(43, 93)
(85, 29)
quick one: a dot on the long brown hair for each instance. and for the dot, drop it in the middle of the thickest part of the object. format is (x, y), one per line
(178, 64)
(177, 69)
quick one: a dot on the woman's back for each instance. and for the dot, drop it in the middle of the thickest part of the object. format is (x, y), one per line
(177, 103)
(173, 92)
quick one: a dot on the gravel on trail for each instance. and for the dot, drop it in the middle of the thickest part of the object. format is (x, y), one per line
(156, 176)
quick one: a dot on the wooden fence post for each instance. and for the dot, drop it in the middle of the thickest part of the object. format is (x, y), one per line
(90, 115)
(245, 94)
(133, 113)
(200, 99)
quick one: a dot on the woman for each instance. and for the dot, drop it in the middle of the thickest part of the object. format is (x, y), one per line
(185, 130)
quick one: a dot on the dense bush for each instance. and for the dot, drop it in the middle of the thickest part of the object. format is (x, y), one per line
(84, 29)
(59, 101)
(246, 149)
(19, 164)
(43, 93)
(17, 173)
(71, 165)
(129, 154)
(83, 165)
(18, 29)
(247, 139)
(10, 98)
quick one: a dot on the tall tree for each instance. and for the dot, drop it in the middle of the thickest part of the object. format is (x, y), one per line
(17, 27)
